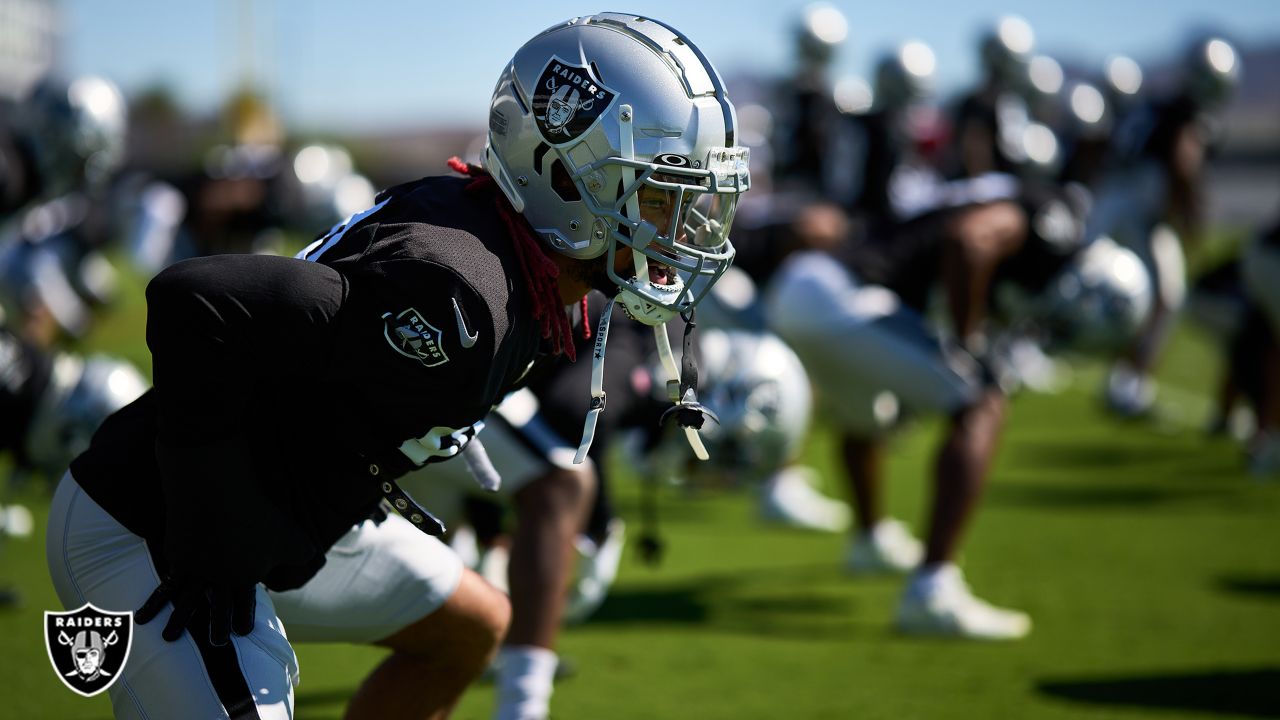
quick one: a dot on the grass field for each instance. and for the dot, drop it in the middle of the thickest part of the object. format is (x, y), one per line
(1149, 561)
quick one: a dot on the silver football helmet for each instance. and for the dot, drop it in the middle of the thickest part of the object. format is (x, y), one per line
(905, 76)
(758, 388)
(820, 31)
(1088, 115)
(1212, 72)
(75, 129)
(613, 131)
(80, 395)
(1005, 50)
(1099, 302)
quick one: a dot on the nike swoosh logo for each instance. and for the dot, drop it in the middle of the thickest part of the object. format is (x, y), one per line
(467, 339)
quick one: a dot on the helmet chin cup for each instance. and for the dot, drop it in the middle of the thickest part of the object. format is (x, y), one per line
(643, 311)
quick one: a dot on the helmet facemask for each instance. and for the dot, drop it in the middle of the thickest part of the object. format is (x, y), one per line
(674, 219)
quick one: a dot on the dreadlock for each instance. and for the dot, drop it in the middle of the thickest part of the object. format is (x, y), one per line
(540, 272)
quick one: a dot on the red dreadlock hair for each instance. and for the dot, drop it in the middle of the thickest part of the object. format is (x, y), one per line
(540, 272)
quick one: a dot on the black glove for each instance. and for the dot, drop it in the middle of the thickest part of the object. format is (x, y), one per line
(197, 605)
(224, 534)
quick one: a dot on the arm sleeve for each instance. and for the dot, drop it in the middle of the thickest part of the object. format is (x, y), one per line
(219, 325)
(218, 328)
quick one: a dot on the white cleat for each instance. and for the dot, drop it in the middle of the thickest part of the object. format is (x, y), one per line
(1036, 370)
(939, 603)
(1130, 394)
(888, 548)
(789, 498)
(597, 569)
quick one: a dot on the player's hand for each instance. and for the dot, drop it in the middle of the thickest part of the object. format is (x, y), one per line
(196, 605)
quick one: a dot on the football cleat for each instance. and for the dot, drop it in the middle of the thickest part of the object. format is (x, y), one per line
(888, 548)
(597, 569)
(1130, 394)
(789, 498)
(941, 604)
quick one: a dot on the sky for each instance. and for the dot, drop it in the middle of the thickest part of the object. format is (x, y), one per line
(340, 65)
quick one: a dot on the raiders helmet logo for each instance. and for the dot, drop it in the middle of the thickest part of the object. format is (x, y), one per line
(568, 100)
(88, 647)
(413, 337)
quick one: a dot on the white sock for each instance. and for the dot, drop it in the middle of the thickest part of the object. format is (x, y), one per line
(926, 581)
(525, 677)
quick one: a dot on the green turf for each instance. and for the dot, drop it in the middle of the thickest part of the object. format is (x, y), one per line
(1147, 558)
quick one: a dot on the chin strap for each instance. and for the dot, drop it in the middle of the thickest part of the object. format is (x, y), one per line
(690, 414)
(597, 385)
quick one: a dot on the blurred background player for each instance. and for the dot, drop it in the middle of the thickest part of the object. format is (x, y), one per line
(1235, 303)
(1150, 201)
(52, 269)
(807, 124)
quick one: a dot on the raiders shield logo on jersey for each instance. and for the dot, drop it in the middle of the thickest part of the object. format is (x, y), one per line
(413, 337)
(568, 100)
(88, 647)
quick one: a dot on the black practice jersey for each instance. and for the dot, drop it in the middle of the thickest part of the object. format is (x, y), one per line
(1151, 131)
(292, 382)
(881, 154)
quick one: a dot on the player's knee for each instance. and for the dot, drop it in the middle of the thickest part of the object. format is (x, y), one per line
(559, 491)
(989, 231)
(486, 629)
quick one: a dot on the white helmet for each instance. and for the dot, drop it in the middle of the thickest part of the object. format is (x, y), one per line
(1005, 50)
(905, 76)
(819, 33)
(76, 130)
(1099, 302)
(1212, 71)
(758, 388)
(589, 113)
(80, 395)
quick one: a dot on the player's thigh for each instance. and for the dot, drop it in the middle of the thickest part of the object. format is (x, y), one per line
(94, 559)
(377, 579)
(854, 363)
(468, 626)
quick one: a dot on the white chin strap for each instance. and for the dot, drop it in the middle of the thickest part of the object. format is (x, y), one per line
(598, 394)
(597, 386)
(641, 264)
(673, 388)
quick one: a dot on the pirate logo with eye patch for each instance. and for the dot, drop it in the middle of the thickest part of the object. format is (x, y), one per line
(568, 100)
(88, 647)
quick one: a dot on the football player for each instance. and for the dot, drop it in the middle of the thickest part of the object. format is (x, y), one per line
(1261, 268)
(1150, 201)
(71, 134)
(291, 394)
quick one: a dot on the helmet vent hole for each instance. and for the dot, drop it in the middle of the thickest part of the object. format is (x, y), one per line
(539, 153)
(562, 183)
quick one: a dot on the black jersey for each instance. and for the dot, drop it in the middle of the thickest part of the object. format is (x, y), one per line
(881, 154)
(1152, 130)
(293, 383)
(993, 122)
(1055, 234)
